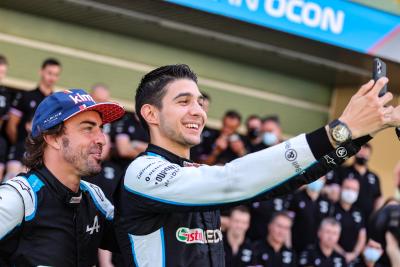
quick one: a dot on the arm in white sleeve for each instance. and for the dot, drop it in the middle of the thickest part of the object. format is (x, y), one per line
(11, 210)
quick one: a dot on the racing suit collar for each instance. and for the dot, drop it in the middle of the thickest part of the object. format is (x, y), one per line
(62, 192)
(171, 157)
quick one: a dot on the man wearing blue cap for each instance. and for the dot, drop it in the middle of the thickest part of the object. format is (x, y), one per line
(48, 216)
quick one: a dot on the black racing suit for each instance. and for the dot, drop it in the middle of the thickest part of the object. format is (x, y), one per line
(44, 223)
(167, 209)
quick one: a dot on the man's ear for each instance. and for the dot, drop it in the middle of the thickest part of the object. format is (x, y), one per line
(53, 141)
(150, 113)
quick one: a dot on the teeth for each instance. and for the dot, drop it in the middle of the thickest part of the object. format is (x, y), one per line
(192, 126)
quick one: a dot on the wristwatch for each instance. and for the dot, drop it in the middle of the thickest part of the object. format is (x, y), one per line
(339, 131)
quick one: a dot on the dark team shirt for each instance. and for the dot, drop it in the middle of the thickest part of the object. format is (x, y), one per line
(129, 125)
(24, 106)
(242, 258)
(108, 179)
(352, 222)
(370, 188)
(266, 256)
(17, 151)
(208, 137)
(5, 101)
(261, 213)
(63, 228)
(308, 216)
(3, 150)
(314, 257)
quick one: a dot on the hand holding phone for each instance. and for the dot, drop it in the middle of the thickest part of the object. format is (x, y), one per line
(379, 71)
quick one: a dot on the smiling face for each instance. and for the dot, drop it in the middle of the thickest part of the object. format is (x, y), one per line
(82, 143)
(182, 117)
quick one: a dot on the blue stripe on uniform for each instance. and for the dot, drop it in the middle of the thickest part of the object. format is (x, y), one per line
(162, 246)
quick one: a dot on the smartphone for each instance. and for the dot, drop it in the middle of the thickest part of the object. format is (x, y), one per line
(378, 71)
(234, 138)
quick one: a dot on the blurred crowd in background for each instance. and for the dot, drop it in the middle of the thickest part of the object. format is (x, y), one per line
(325, 223)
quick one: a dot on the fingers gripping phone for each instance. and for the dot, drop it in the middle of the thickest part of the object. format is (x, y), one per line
(379, 71)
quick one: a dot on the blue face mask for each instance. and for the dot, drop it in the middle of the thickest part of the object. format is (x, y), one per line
(316, 186)
(371, 254)
(270, 139)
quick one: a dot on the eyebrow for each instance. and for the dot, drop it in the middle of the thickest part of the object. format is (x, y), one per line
(92, 123)
(187, 94)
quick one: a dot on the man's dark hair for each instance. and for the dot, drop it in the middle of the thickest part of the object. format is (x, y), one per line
(151, 89)
(233, 114)
(252, 117)
(3, 60)
(274, 118)
(34, 147)
(51, 62)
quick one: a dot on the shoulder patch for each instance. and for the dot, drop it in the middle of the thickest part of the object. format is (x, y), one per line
(100, 200)
(27, 188)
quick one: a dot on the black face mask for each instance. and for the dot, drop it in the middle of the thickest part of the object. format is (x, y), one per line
(252, 133)
(360, 160)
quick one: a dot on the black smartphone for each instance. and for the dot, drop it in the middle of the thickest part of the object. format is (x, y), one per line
(379, 71)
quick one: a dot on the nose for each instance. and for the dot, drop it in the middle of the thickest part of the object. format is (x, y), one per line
(100, 138)
(197, 110)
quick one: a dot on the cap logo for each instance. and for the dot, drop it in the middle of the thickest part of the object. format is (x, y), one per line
(78, 98)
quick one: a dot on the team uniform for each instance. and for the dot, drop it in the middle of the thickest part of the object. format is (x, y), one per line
(167, 211)
(242, 258)
(266, 256)
(108, 179)
(352, 222)
(5, 101)
(313, 257)
(308, 216)
(261, 213)
(370, 188)
(42, 222)
(128, 125)
(24, 106)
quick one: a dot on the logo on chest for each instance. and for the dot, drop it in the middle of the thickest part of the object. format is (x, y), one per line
(95, 227)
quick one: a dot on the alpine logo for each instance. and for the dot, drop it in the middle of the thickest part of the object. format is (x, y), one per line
(329, 160)
(341, 152)
(198, 235)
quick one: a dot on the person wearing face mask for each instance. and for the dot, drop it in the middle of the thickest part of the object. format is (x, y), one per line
(371, 254)
(272, 131)
(310, 207)
(370, 195)
(323, 253)
(254, 137)
(353, 235)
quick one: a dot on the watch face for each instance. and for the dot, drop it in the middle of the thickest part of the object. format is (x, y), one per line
(340, 133)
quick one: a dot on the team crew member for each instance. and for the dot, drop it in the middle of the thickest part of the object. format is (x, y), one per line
(48, 216)
(309, 207)
(168, 207)
(323, 254)
(370, 196)
(23, 107)
(261, 214)
(5, 99)
(238, 249)
(273, 252)
(353, 236)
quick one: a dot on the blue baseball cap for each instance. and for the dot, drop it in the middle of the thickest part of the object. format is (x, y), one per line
(60, 106)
